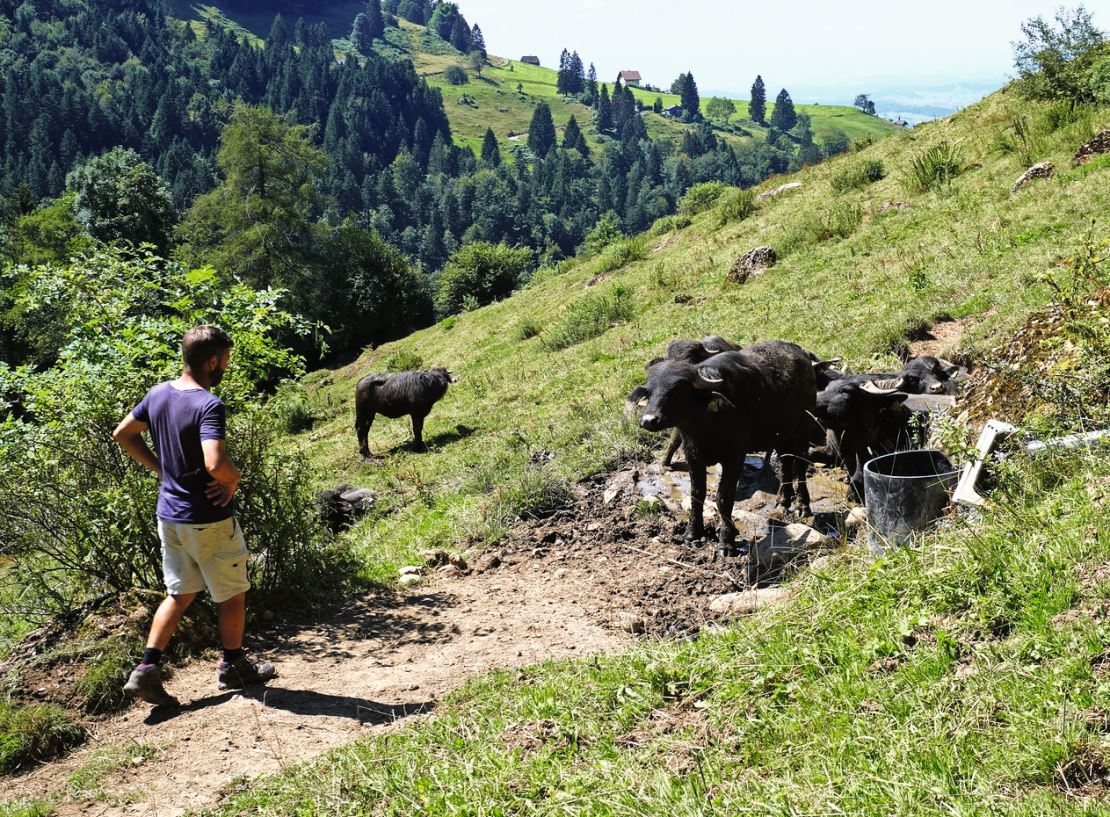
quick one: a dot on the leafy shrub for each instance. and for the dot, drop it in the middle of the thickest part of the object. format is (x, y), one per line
(622, 253)
(736, 207)
(455, 75)
(448, 323)
(29, 734)
(483, 270)
(1020, 139)
(1065, 59)
(404, 361)
(82, 519)
(590, 317)
(700, 198)
(857, 176)
(605, 232)
(668, 224)
(469, 303)
(291, 408)
(935, 167)
(527, 328)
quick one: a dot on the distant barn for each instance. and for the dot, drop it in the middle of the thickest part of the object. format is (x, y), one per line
(530, 60)
(673, 112)
(632, 78)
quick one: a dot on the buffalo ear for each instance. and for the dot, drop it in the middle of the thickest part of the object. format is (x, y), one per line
(653, 362)
(719, 402)
(950, 369)
(821, 365)
(875, 390)
(637, 396)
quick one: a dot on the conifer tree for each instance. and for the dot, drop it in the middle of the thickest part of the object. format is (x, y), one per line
(757, 108)
(491, 153)
(562, 79)
(571, 133)
(576, 74)
(604, 110)
(591, 84)
(691, 102)
(784, 117)
(460, 34)
(541, 131)
(477, 41)
(361, 37)
(377, 22)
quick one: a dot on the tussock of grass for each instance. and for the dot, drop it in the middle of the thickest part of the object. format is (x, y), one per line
(29, 734)
(737, 206)
(934, 168)
(590, 317)
(857, 176)
(100, 686)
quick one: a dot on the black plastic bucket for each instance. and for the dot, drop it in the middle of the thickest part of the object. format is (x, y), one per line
(905, 493)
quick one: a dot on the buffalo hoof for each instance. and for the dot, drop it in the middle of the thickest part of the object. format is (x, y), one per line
(694, 536)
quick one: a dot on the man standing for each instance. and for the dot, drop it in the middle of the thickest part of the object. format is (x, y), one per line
(202, 543)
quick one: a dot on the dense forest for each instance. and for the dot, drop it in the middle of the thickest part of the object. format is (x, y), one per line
(378, 167)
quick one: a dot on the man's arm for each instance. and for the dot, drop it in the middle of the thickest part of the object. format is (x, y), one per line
(225, 476)
(129, 434)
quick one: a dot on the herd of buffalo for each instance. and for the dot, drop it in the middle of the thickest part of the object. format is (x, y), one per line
(725, 402)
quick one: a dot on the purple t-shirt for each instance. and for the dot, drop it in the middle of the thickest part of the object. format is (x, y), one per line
(179, 419)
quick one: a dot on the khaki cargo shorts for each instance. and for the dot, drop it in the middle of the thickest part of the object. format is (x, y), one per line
(197, 555)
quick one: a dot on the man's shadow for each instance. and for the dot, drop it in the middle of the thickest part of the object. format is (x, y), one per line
(301, 702)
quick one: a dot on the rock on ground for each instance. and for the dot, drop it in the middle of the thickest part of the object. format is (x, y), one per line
(733, 605)
(778, 191)
(753, 263)
(1095, 147)
(1043, 170)
(781, 546)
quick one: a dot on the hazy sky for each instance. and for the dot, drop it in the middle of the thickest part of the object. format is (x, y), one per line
(821, 50)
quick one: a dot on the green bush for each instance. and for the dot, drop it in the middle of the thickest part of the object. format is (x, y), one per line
(455, 75)
(736, 207)
(622, 253)
(291, 408)
(483, 270)
(404, 361)
(605, 232)
(590, 317)
(668, 224)
(838, 220)
(700, 198)
(935, 167)
(857, 176)
(527, 328)
(82, 520)
(30, 734)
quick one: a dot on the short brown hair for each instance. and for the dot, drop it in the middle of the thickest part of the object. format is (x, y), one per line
(203, 342)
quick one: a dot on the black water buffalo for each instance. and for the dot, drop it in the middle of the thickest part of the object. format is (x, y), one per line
(395, 395)
(920, 375)
(861, 421)
(692, 351)
(759, 398)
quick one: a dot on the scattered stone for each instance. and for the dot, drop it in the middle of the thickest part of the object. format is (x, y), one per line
(821, 562)
(1043, 170)
(561, 573)
(778, 191)
(458, 562)
(344, 505)
(412, 570)
(887, 206)
(449, 571)
(781, 546)
(1097, 146)
(487, 561)
(855, 521)
(733, 605)
(683, 298)
(138, 760)
(631, 623)
(408, 580)
(753, 263)
(434, 558)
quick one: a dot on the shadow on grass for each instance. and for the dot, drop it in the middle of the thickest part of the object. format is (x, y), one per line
(301, 702)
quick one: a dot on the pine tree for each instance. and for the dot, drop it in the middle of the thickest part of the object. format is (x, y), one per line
(491, 153)
(591, 85)
(541, 131)
(757, 108)
(604, 110)
(478, 42)
(377, 22)
(361, 37)
(460, 34)
(562, 80)
(784, 117)
(691, 102)
(571, 133)
(576, 74)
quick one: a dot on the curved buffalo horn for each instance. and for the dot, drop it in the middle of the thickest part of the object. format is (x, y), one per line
(706, 383)
(825, 364)
(875, 387)
(949, 367)
(889, 383)
(637, 398)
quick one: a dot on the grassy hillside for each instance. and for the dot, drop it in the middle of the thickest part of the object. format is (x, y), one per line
(506, 93)
(964, 677)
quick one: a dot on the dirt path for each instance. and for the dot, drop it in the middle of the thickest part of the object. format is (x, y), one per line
(385, 660)
(578, 582)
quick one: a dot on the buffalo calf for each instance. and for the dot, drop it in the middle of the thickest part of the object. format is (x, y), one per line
(395, 395)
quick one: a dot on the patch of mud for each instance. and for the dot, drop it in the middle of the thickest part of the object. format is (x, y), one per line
(942, 339)
(1084, 773)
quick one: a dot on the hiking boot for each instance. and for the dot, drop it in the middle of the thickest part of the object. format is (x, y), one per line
(242, 672)
(145, 684)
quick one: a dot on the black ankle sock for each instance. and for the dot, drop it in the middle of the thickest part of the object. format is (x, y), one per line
(151, 656)
(232, 655)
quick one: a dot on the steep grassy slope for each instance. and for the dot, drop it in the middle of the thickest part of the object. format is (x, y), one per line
(970, 250)
(967, 676)
(494, 98)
